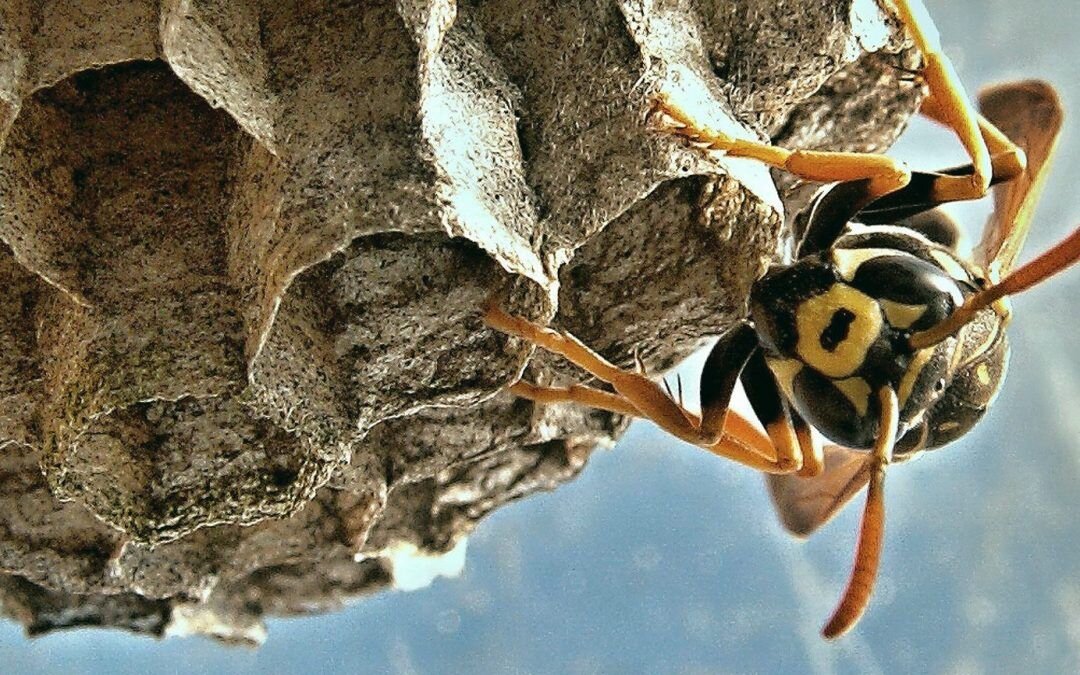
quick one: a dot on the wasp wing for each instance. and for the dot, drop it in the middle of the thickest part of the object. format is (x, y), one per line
(805, 504)
(1030, 114)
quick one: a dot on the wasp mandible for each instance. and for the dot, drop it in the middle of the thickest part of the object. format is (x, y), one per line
(878, 333)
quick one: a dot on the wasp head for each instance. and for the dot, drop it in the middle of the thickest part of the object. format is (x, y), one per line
(836, 326)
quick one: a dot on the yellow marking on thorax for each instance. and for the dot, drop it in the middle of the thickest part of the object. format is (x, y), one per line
(901, 315)
(911, 375)
(983, 373)
(949, 264)
(815, 314)
(848, 260)
(856, 390)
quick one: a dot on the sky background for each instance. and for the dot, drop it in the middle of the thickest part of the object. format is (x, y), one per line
(661, 558)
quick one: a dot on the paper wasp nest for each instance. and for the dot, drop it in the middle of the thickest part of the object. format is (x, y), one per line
(244, 247)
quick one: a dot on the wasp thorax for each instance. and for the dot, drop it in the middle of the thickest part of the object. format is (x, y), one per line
(835, 327)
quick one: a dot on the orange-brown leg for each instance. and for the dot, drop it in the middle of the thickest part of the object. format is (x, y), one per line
(738, 440)
(644, 394)
(884, 173)
(578, 394)
(948, 102)
(769, 407)
(1007, 161)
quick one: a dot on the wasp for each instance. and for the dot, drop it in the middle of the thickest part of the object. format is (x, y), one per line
(878, 332)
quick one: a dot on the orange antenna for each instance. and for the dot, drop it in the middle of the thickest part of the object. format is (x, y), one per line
(872, 531)
(1056, 259)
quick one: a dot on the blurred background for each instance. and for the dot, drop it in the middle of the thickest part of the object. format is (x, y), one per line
(660, 558)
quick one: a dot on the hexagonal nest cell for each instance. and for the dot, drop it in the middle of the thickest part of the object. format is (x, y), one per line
(244, 246)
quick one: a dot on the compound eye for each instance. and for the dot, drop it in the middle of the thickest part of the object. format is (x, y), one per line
(836, 329)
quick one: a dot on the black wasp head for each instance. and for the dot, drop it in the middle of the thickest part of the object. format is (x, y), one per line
(835, 328)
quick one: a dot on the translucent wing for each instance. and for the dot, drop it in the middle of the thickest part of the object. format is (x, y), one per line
(805, 504)
(1030, 114)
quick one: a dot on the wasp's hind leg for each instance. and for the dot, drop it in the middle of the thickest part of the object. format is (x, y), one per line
(1007, 161)
(949, 104)
(726, 434)
(1033, 117)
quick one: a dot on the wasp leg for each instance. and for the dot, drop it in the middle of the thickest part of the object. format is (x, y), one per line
(579, 394)
(1007, 160)
(883, 174)
(924, 191)
(948, 103)
(725, 362)
(845, 201)
(737, 440)
(740, 442)
(743, 443)
(813, 455)
(644, 394)
(768, 405)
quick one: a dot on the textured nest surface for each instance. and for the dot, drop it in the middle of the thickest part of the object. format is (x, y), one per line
(244, 244)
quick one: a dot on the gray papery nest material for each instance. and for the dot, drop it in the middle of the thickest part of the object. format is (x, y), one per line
(245, 244)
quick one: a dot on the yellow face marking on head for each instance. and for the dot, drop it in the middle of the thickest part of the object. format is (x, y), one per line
(814, 315)
(785, 371)
(911, 375)
(900, 315)
(848, 260)
(983, 373)
(949, 264)
(856, 390)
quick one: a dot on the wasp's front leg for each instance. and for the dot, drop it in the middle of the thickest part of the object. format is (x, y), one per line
(722, 432)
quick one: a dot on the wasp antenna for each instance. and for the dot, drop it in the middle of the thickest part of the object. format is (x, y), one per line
(1058, 258)
(872, 530)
